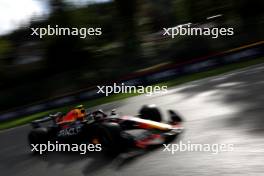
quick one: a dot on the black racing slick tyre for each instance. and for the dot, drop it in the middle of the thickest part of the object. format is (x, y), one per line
(38, 136)
(150, 112)
(108, 135)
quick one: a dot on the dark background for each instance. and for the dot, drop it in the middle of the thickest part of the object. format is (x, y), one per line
(34, 69)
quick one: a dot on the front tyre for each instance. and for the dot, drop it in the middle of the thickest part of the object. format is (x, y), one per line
(150, 112)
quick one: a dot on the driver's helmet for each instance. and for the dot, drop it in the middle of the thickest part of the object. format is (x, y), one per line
(81, 108)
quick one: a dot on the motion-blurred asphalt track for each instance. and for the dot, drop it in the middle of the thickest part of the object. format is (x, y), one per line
(222, 109)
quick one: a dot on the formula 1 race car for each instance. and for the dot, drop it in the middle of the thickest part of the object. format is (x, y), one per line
(113, 132)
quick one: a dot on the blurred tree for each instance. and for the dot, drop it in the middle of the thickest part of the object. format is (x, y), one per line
(131, 44)
(252, 15)
(63, 52)
(5, 50)
(5, 47)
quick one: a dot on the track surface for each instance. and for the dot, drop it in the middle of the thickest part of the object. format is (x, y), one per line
(222, 109)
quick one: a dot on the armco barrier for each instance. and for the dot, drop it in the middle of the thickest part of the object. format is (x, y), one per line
(163, 74)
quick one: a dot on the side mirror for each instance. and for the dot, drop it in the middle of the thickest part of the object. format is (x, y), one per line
(174, 117)
(113, 112)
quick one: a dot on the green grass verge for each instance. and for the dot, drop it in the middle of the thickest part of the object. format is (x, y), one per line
(116, 97)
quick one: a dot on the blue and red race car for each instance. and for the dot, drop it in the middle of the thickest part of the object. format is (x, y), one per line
(114, 132)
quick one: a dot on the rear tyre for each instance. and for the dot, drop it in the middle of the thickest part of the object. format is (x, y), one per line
(38, 136)
(150, 112)
(109, 136)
